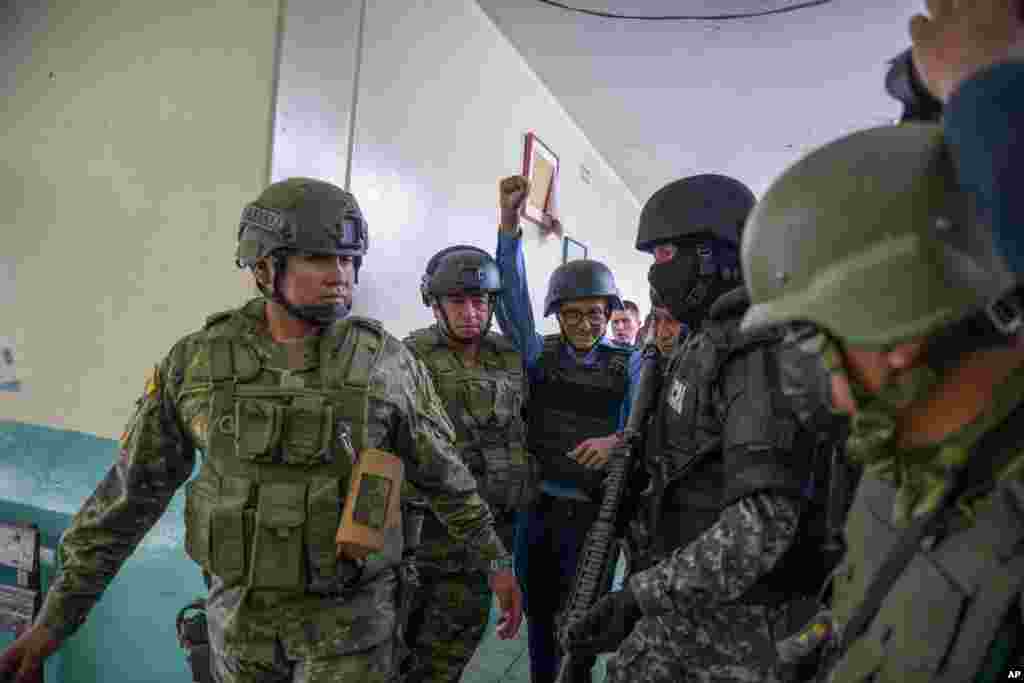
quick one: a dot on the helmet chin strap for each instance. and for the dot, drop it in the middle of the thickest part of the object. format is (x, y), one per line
(994, 327)
(321, 315)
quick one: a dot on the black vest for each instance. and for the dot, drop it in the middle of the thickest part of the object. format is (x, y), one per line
(570, 403)
(686, 451)
(687, 442)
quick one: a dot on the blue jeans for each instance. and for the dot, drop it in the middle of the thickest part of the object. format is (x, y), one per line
(549, 536)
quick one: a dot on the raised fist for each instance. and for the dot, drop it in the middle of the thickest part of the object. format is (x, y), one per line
(512, 193)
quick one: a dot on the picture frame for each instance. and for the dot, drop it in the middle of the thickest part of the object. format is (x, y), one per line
(573, 250)
(540, 167)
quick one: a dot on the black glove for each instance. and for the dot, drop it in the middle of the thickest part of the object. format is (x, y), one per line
(605, 625)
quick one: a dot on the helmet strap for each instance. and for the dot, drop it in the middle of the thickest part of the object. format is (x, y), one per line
(998, 324)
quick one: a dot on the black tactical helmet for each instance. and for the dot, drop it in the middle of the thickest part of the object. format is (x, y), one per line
(701, 204)
(457, 270)
(581, 279)
(302, 214)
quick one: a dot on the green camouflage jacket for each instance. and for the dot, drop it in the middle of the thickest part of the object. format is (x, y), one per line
(266, 543)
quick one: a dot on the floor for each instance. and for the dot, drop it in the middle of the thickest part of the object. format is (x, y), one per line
(507, 661)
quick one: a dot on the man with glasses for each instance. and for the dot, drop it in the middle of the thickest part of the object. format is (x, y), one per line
(479, 376)
(577, 401)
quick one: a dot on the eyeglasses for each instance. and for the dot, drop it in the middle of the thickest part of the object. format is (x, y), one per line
(574, 317)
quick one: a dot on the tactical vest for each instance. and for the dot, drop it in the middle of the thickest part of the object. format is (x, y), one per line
(686, 448)
(939, 619)
(485, 405)
(570, 404)
(265, 507)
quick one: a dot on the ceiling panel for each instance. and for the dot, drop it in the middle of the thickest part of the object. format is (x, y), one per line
(664, 99)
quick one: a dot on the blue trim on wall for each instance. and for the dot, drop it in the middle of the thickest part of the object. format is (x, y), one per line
(45, 476)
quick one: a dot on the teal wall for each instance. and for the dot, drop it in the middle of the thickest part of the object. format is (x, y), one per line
(45, 475)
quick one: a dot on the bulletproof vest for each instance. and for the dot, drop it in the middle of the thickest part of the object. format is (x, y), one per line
(956, 595)
(686, 448)
(689, 469)
(485, 404)
(571, 403)
(265, 507)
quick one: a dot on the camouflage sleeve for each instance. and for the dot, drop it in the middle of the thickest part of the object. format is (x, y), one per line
(154, 459)
(746, 542)
(425, 439)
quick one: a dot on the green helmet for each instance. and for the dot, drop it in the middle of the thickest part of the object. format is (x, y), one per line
(871, 238)
(457, 270)
(302, 214)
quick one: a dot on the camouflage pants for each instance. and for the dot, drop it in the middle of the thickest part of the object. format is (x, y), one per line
(371, 666)
(723, 644)
(449, 617)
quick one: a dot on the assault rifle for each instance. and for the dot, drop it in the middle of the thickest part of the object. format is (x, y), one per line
(591, 578)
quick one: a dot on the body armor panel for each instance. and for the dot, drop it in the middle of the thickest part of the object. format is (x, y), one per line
(702, 458)
(571, 404)
(972, 575)
(265, 507)
(485, 405)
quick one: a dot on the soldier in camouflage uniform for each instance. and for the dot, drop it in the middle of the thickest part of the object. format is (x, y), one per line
(726, 461)
(871, 240)
(479, 376)
(280, 396)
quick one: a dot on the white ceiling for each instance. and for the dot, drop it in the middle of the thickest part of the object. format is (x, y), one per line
(665, 99)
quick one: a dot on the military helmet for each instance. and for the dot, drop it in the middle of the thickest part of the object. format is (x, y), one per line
(581, 279)
(701, 204)
(870, 237)
(302, 214)
(459, 269)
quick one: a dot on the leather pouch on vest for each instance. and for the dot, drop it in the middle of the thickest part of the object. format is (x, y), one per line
(277, 553)
(971, 577)
(372, 505)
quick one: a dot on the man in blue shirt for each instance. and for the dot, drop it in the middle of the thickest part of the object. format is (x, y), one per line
(578, 388)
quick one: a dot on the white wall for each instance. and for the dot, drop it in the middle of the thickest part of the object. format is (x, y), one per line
(132, 134)
(443, 104)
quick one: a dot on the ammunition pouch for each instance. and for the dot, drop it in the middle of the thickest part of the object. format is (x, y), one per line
(194, 639)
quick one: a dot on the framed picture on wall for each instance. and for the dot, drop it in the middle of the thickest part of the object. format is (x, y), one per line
(540, 167)
(572, 250)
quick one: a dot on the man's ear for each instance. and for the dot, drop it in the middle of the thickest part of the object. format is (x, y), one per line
(264, 272)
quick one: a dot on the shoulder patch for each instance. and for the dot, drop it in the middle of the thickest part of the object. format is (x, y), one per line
(152, 382)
